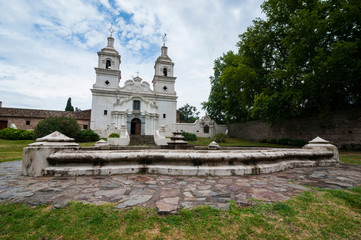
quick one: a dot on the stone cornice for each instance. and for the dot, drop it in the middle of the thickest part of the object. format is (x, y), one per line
(109, 52)
(107, 71)
(116, 92)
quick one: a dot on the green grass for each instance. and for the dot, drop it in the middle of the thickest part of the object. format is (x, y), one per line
(86, 144)
(321, 214)
(353, 159)
(11, 150)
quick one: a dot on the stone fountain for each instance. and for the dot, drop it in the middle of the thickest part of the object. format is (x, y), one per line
(177, 142)
(58, 155)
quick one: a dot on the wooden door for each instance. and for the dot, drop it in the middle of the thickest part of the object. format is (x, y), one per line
(3, 124)
(136, 126)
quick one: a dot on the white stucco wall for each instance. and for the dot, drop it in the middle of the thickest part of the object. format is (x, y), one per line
(100, 103)
(198, 127)
(169, 108)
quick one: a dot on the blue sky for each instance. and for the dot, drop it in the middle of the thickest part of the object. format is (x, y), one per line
(48, 49)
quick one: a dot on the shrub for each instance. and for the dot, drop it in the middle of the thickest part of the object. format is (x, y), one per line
(284, 141)
(273, 141)
(66, 125)
(263, 141)
(298, 143)
(114, 135)
(220, 138)
(87, 135)
(189, 136)
(16, 134)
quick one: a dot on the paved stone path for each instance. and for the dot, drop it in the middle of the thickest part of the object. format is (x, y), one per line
(170, 193)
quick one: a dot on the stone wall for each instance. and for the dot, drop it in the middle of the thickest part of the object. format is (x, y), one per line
(342, 129)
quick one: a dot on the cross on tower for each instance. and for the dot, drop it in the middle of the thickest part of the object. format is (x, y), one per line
(137, 73)
(164, 38)
(111, 29)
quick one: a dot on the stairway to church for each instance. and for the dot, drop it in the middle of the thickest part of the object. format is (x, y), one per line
(141, 140)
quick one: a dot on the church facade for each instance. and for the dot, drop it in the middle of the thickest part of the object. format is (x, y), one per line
(136, 106)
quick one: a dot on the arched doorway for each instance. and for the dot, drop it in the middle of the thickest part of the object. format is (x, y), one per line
(135, 126)
(206, 129)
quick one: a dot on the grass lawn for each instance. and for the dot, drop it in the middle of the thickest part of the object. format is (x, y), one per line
(317, 214)
(350, 157)
(11, 150)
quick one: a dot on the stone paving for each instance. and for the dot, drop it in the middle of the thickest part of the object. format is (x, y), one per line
(170, 193)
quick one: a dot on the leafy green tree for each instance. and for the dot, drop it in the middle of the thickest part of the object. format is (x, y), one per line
(66, 125)
(303, 59)
(188, 114)
(230, 99)
(69, 107)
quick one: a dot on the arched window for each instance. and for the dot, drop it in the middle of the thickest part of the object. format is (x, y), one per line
(108, 64)
(206, 129)
(165, 71)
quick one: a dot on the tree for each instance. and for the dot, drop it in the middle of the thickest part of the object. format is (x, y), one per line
(302, 60)
(188, 114)
(66, 125)
(69, 107)
(230, 99)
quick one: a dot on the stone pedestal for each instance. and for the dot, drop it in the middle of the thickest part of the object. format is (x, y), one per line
(159, 137)
(36, 154)
(322, 144)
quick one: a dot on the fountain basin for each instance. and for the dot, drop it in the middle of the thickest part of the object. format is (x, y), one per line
(67, 159)
(179, 162)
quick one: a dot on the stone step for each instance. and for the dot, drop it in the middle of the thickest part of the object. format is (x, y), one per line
(142, 140)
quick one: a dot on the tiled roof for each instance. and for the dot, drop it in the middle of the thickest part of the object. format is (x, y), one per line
(36, 113)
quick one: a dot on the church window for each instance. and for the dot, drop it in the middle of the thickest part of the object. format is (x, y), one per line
(108, 64)
(27, 122)
(107, 82)
(165, 71)
(105, 112)
(136, 105)
(165, 88)
(164, 115)
(206, 129)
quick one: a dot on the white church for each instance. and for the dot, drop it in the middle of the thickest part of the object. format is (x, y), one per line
(137, 107)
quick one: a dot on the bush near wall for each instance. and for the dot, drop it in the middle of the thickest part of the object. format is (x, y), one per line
(189, 136)
(87, 135)
(16, 134)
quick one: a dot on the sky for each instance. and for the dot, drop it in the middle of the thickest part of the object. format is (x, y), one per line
(48, 48)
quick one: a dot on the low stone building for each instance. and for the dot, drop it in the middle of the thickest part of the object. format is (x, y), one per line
(203, 127)
(29, 118)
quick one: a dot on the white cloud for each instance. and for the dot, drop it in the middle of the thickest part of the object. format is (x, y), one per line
(48, 48)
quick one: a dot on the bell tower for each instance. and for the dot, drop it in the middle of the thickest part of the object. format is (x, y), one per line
(108, 74)
(164, 80)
